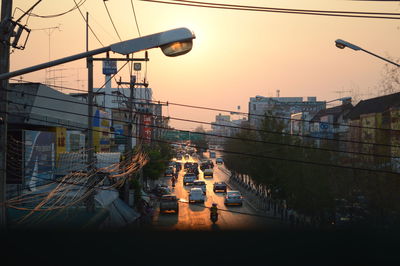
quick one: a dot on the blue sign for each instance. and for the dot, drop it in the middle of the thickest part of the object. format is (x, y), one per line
(109, 67)
(323, 125)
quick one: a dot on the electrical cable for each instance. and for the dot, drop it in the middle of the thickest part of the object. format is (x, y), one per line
(294, 10)
(90, 28)
(261, 9)
(112, 22)
(77, 5)
(241, 113)
(112, 76)
(230, 126)
(215, 135)
(136, 21)
(235, 152)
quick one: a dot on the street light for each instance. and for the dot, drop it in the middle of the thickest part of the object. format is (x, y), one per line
(173, 43)
(342, 44)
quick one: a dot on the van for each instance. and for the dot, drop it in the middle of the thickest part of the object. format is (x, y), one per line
(196, 195)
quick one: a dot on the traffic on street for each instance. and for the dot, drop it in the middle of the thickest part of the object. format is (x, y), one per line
(195, 215)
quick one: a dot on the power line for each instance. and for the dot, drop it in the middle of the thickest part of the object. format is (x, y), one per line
(243, 113)
(232, 152)
(77, 5)
(215, 135)
(112, 22)
(136, 21)
(112, 76)
(51, 181)
(263, 9)
(229, 126)
(90, 28)
(294, 10)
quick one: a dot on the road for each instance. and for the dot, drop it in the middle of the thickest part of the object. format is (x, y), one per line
(196, 216)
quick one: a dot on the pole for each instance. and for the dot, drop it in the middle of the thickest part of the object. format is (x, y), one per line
(380, 57)
(128, 147)
(90, 161)
(6, 9)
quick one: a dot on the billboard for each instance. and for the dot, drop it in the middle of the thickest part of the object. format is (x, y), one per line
(39, 157)
(101, 131)
(147, 122)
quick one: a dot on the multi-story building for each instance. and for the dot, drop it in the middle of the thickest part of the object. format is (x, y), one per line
(281, 108)
(225, 127)
(116, 106)
(374, 129)
(331, 124)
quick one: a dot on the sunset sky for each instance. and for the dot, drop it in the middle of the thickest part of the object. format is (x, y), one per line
(236, 54)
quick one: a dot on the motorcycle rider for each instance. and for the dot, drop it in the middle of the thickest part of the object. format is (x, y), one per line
(213, 210)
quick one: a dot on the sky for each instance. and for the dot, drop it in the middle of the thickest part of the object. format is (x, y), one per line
(236, 54)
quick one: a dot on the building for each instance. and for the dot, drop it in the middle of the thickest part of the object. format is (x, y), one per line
(225, 127)
(331, 123)
(281, 108)
(116, 106)
(376, 122)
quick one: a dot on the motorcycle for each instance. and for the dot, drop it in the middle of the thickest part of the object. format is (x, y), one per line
(214, 217)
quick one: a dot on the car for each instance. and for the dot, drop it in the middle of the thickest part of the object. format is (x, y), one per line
(186, 156)
(187, 165)
(179, 157)
(169, 202)
(196, 195)
(219, 160)
(233, 197)
(169, 171)
(220, 186)
(208, 173)
(189, 178)
(201, 184)
(161, 190)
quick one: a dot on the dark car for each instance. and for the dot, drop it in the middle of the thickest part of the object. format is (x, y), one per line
(161, 190)
(220, 186)
(169, 202)
(187, 165)
(169, 171)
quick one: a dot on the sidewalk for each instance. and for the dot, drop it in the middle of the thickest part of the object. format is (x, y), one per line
(261, 203)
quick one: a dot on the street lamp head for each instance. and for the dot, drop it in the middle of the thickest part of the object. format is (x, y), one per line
(173, 43)
(342, 44)
(177, 48)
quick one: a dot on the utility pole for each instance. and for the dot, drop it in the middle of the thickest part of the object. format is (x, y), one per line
(90, 157)
(6, 9)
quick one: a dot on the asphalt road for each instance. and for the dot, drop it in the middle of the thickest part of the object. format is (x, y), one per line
(195, 216)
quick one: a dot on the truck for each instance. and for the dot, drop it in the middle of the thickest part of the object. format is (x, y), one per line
(169, 203)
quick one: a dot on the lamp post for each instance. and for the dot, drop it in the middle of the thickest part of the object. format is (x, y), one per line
(342, 44)
(172, 43)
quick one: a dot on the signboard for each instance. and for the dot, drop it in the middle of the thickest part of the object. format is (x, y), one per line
(39, 157)
(101, 131)
(137, 66)
(147, 122)
(109, 67)
(323, 125)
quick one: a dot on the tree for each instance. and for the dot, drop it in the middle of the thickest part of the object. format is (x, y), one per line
(199, 140)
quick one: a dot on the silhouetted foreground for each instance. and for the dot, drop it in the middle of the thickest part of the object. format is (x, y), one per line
(150, 247)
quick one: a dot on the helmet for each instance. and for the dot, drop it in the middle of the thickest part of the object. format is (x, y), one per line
(214, 204)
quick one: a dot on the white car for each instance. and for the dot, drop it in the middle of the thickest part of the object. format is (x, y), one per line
(196, 195)
(200, 184)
